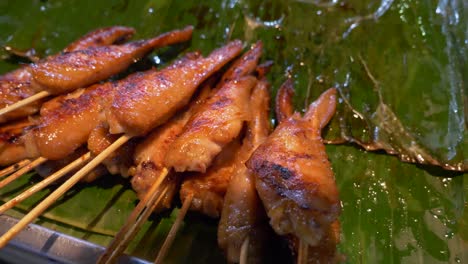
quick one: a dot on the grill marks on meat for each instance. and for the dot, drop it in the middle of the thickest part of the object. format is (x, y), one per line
(216, 124)
(101, 37)
(138, 108)
(294, 177)
(16, 85)
(208, 189)
(150, 153)
(71, 70)
(242, 212)
(63, 129)
(12, 147)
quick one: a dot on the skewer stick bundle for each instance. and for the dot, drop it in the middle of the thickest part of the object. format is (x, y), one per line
(172, 233)
(137, 217)
(47, 202)
(24, 102)
(22, 171)
(44, 183)
(8, 170)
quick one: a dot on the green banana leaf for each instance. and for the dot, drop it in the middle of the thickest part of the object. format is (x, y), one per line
(401, 70)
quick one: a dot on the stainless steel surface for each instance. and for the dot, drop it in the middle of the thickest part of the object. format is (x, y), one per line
(37, 244)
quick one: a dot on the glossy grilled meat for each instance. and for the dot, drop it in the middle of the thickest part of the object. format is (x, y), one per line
(139, 107)
(120, 161)
(243, 215)
(16, 85)
(216, 124)
(12, 147)
(67, 124)
(150, 153)
(71, 70)
(208, 189)
(101, 37)
(294, 177)
(61, 130)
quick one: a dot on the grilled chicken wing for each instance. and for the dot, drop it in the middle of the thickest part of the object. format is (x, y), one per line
(294, 177)
(139, 107)
(208, 189)
(101, 37)
(12, 147)
(68, 71)
(150, 153)
(16, 85)
(60, 131)
(216, 124)
(242, 212)
(65, 127)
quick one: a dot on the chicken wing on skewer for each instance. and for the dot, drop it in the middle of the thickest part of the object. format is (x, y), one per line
(16, 85)
(66, 127)
(243, 215)
(294, 177)
(149, 154)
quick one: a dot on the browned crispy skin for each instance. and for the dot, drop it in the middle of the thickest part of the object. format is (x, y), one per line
(208, 189)
(294, 177)
(67, 122)
(101, 37)
(66, 127)
(140, 107)
(12, 148)
(214, 125)
(71, 70)
(284, 108)
(120, 161)
(243, 214)
(16, 85)
(149, 154)
(243, 66)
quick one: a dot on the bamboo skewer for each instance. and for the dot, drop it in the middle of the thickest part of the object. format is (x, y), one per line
(22, 171)
(24, 102)
(302, 252)
(44, 183)
(173, 232)
(244, 251)
(47, 202)
(14, 167)
(138, 216)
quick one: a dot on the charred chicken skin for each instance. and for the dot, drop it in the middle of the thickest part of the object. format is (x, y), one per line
(294, 177)
(16, 85)
(65, 127)
(243, 214)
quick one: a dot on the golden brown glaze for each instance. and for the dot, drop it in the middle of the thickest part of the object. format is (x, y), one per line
(243, 66)
(64, 128)
(294, 177)
(120, 161)
(16, 85)
(12, 148)
(140, 107)
(101, 37)
(150, 153)
(242, 212)
(284, 108)
(208, 189)
(214, 125)
(71, 70)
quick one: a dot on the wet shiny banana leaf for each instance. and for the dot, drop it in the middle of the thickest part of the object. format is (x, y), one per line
(401, 70)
